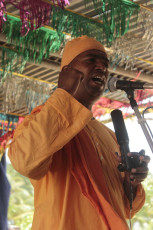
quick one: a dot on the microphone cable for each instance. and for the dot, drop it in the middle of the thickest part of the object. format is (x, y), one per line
(131, 202)
(143, 114)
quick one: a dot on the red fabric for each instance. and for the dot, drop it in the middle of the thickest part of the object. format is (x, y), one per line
(103, 104)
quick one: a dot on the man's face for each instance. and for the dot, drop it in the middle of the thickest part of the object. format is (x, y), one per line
(93, 64)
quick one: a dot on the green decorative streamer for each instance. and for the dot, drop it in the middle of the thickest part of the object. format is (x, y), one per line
(117, 23)
(36, 44)
(33, 47)
(12, 61)
(76, 25)
(115, 15)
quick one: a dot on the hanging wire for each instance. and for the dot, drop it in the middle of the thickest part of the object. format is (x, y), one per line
(143, 114)
(131, 203)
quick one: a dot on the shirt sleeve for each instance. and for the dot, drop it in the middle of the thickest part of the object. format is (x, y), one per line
(46, 131)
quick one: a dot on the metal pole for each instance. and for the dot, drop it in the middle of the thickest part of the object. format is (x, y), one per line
(141, 120)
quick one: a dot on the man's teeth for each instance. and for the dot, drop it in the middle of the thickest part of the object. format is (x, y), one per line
(97, 78)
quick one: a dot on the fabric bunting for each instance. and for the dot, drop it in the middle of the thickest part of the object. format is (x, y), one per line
(76, 25)
(35, 44)
(124, 50)
(2, 12)
(20, 92)
(33, 14)
(120, 14)
(105, 105)
(146, 21)
(29, 94)
(114, 14)
(10, 63)
(7, 122)
(33, 47)
(38, 44)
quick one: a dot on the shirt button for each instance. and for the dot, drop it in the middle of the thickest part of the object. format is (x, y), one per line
(101, 158)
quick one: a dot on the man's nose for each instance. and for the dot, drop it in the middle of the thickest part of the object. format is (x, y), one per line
(99, 64)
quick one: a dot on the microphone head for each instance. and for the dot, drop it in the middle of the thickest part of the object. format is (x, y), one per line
(111, 84)
(114, 84)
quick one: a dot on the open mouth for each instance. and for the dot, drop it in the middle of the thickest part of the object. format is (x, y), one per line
(98, 80)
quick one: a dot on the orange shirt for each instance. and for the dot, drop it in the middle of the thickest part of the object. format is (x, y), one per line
(70, 160)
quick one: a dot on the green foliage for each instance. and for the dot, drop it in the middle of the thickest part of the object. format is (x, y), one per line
(144, 218)
(21, 208)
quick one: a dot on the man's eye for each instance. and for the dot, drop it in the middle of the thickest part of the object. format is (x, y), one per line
(90, 60)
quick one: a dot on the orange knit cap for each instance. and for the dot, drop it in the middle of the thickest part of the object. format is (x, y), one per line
(78, 45)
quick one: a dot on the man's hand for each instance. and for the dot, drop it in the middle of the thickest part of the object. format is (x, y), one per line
(136, 175)
(69, 79)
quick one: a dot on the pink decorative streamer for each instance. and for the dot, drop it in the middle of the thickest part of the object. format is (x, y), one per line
(33, 13)
(62, 3)
(2, 13)
(137, 76)
(67, 2)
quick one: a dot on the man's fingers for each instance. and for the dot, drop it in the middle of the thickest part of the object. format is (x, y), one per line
(69, 79)
(79, 73)
(67, 68)
(132, 154)
(138, 176)
(139, 170)
(145, 159)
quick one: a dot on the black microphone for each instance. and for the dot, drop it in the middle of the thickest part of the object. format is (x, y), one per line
(115, 84)
(122, 138)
